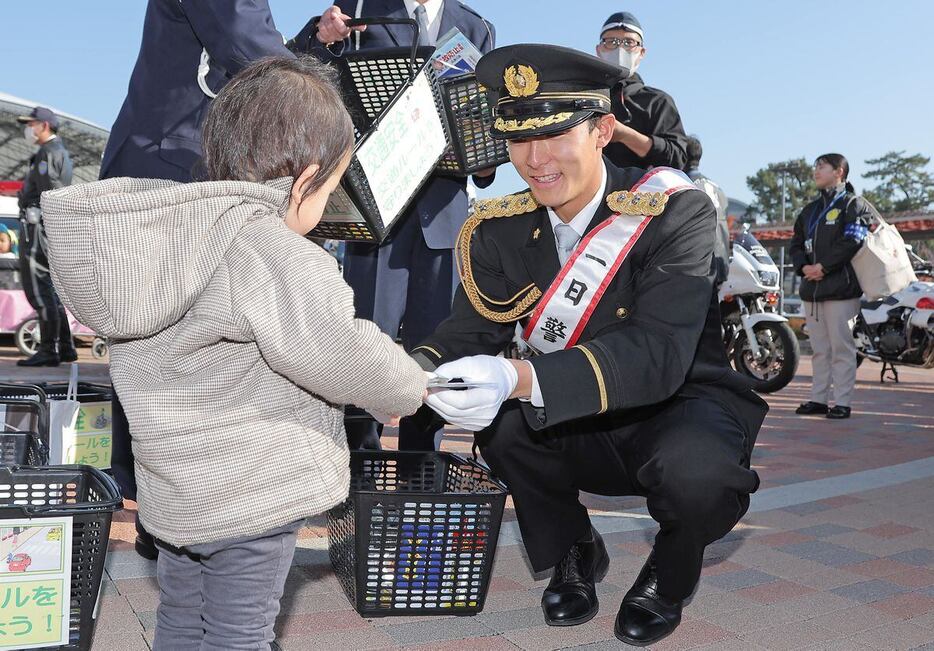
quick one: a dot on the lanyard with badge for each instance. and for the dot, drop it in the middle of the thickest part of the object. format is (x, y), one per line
(812, 224)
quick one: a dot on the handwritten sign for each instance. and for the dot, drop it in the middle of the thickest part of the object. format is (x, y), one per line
(403, 149)
(93, 434)
(35, 582)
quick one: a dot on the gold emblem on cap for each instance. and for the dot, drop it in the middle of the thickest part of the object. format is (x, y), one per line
(521, 81)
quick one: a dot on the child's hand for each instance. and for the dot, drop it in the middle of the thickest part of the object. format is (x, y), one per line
(386, 419)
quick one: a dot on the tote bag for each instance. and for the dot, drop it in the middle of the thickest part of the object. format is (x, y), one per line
(63, 416)
(882, 266)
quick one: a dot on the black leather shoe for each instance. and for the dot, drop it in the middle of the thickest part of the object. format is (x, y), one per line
(839, 412)
(645, 617)
(68, 355)
(41, 358)
(146, 547)
(811, 408)
(570, 598)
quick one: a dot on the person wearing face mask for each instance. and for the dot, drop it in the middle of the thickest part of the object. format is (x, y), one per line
(828, 233)
(49, 168)
(648, 130)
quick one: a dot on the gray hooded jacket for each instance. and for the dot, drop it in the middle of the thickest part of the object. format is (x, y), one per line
(233, 345)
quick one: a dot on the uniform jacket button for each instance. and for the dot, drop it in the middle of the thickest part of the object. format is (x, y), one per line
(622, 313)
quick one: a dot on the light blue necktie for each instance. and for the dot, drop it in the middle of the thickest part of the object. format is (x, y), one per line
(567, 239)
(421, 15)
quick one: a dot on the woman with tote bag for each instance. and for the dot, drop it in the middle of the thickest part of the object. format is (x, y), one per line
(829, 231)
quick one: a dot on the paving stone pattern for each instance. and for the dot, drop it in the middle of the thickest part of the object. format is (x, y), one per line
(853, 571)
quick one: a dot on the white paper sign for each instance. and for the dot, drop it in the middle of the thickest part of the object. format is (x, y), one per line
(403, 149)
(35, 582)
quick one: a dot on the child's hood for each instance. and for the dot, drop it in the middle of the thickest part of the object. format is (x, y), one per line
(130, 256)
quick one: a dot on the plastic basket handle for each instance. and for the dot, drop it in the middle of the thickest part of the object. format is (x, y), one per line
(42, 407)
(31, 389)
(8, 474)
(411, 22)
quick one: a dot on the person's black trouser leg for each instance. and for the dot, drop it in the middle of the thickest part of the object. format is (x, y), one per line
(66, 344)
(123, 468)
(121, 454)
(689, 458)
(49, 309)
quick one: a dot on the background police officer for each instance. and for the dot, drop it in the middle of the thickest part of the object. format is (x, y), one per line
(722, 250)
(644, 402)
(49, 168)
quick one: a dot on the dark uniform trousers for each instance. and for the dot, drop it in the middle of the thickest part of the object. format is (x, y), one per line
(689, 458)
(41, 294)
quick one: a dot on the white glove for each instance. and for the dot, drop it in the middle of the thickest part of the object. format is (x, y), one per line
(474, 409)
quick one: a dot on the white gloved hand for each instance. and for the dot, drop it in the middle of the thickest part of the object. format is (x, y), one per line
(474, 409)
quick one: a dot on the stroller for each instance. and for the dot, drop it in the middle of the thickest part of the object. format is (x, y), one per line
(17, 317)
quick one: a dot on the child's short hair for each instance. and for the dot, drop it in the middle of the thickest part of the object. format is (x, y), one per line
(276, 117)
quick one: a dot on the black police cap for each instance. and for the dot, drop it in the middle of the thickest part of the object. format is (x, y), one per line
(40, 114)
(544, 89)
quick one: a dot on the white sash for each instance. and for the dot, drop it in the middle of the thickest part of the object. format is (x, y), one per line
(564, 310)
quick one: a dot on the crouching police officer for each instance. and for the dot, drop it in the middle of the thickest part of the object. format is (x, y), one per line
(49, 168)
(609, 272)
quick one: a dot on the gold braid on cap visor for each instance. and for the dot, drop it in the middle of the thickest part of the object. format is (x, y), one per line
(509, 206)
(531, 123)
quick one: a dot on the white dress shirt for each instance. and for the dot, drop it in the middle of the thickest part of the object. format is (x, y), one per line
(432, 14)
(579, 223)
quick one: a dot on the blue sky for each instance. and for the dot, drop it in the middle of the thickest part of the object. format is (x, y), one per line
(757, 81)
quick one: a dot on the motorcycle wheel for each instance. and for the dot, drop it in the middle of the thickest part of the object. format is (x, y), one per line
(780, 363)
(27, 337)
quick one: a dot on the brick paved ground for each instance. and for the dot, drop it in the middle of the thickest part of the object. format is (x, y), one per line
(837, 552)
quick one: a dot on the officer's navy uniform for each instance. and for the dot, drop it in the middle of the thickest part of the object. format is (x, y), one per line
(49, 168)
(158, 131)
(408, 281)
(646, 403)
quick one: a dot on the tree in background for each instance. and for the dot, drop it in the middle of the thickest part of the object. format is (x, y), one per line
(766, 185)
(905, 184)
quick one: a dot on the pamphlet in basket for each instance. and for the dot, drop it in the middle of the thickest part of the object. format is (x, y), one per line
(454, 54)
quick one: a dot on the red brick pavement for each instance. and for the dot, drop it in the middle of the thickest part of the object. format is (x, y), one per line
(853, 571)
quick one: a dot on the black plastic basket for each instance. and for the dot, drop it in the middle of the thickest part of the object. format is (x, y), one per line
(87, 391)
(89, 497)
(469, 118)
(27, 444)
(417, 534)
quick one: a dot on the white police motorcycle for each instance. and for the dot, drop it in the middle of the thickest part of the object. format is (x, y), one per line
(899, 329)
(759, 342)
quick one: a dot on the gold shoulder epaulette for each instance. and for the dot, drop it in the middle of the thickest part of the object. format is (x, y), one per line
(625, 202)
(508, 206)
(513, 308)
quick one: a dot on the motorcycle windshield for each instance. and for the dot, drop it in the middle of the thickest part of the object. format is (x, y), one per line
(756, 250)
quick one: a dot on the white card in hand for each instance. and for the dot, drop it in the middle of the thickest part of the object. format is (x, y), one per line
(438, 382)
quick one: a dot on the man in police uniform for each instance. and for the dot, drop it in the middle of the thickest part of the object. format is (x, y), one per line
(49, 168)
(631, 393)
